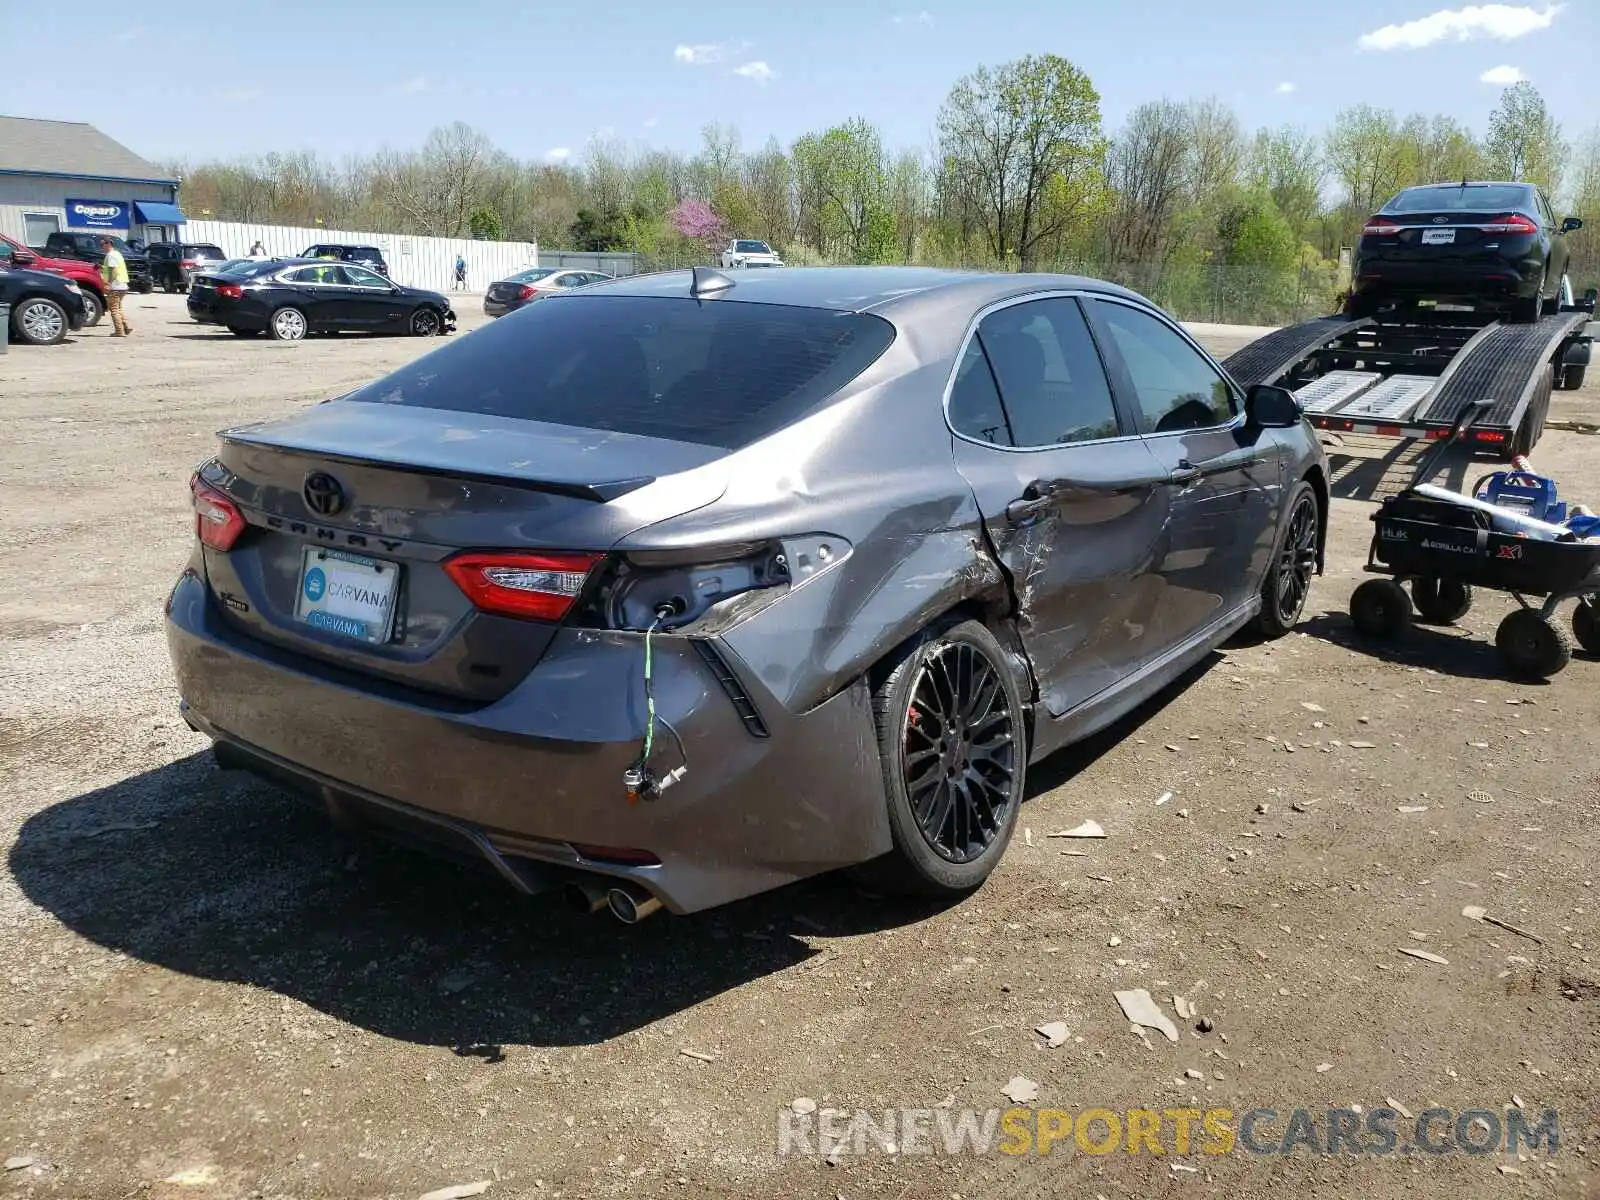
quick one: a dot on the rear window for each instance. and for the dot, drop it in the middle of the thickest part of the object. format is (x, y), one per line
(1497, 197)
(717, 374)
(206, 252)
(531, 274)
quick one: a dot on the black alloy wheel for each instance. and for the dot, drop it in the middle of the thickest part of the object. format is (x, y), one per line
(1288, 583)
(959, 754)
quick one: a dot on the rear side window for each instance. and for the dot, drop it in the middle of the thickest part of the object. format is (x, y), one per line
(1049, 373)
(208, 252)
(1491, 198)
(719, 374)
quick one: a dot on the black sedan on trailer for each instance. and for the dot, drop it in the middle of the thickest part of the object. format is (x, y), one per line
(1494, 244)
(288, 298)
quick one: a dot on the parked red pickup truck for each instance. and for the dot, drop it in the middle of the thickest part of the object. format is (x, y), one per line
(85, 275)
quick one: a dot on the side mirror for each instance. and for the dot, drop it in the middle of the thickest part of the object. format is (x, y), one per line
(1572, 225)
(1269, 407)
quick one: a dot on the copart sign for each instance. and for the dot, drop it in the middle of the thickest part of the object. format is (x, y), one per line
(97, 214)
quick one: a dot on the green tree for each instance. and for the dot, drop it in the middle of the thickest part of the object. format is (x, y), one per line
(841, 178)
(486, 225)
(1008, 135)
(1524, 140)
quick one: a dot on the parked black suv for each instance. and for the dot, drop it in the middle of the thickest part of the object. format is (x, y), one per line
(366, 256)
(44, 306)
(173, 264)
(86, 248)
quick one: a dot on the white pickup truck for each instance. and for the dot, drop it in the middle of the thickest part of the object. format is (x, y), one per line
(743, 252)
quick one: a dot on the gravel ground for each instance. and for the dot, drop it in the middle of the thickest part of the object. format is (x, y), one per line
(208, 993)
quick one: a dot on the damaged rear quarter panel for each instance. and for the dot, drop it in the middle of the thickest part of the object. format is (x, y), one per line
(875, 469)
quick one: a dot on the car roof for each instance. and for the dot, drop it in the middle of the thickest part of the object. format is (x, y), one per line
(888, 290)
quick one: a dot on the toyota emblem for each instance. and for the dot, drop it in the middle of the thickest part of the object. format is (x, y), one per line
(323, 494)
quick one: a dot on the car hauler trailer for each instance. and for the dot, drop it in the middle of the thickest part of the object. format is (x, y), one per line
(1411, 372)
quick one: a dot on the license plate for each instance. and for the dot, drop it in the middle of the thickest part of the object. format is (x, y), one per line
(1438, 237)
(347, 594)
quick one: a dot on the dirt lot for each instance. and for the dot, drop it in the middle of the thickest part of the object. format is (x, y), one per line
(207, 993)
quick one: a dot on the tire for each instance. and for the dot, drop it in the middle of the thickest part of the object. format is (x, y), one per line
(426, 322)
(93, 308)
(1527, 309)
(288, 324)
(1586, 624)
(948, 854)
(1532, 648)
(1294, 562)
(1380, 608)
(1553, 305)
(144, 287)
(1441, 601)
(39, 321)
(1361, 306)
(1572, 376)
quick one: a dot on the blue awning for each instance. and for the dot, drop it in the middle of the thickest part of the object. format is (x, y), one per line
(149, 212)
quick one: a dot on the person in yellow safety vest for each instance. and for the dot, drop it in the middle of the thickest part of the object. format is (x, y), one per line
(114, 273)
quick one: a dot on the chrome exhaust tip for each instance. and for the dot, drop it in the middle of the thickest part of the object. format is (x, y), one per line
(631, 903)
(585, 896)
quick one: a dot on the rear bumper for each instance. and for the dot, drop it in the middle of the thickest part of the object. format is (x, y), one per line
(1493, 279)
(541, 769)
(499, 308)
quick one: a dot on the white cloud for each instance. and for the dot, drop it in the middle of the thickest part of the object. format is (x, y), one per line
(417, 83)
(757, 70)
(1284, 88)
(1503, 22)
(239, 95)
(128, 35)
(558, 153)
(923, 17)
(1504, 76)
(705, 54)
(651, 122)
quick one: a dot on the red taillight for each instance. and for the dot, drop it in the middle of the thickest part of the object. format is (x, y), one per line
(527, 292)
(217, 522)
(1380, 227)
(230, 291)
(187, 262)
(517, 584)
(1510, 223)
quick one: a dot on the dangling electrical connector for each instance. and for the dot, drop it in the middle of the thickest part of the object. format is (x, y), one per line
(640, 781)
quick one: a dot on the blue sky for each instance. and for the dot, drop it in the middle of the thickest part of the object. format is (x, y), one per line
(205, 80)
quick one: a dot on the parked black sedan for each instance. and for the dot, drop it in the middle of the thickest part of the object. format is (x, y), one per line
(44, 306)
(1490, 244)
(287, 298)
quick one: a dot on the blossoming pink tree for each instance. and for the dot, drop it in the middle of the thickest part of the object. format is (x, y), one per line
(698, 221)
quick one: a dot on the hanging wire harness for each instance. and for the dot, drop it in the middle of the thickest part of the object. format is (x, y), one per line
(640, 779)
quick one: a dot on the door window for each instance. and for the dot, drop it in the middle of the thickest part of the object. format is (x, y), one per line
(1051, 382)
(1173, 384)
(362, 277)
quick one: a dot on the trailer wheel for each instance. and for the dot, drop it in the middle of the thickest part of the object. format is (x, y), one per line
(1586, 623)
(1381, 609)
(1532, 648)
(1572, 376)
(1441, 601)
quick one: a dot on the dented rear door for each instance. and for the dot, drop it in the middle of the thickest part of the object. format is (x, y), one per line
(1074, 504)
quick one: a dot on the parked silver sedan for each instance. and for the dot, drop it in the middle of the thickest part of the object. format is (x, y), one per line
(513, 292)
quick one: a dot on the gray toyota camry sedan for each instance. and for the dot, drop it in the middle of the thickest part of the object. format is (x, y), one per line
(682, 587)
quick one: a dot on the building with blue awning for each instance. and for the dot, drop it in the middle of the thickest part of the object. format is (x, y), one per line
(57, 176)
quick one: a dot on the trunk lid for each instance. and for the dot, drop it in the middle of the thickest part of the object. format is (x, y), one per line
(1439, 236)
(409, 488)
